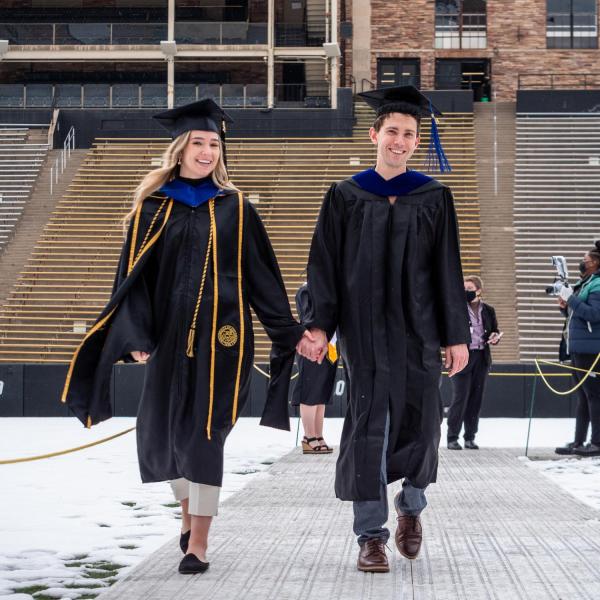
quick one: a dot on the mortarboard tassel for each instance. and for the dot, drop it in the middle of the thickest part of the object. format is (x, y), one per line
(436, 157)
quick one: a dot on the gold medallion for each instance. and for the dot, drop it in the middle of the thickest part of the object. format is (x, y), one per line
(227, 336)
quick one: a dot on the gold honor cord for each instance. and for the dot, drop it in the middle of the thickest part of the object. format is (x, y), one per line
(132, 258)
(575, 387)
(62, 452)
(241, 308)
(101, 323)
(213, 226)
(192, 330)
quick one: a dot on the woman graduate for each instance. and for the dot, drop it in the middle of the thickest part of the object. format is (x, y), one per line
(195, 258)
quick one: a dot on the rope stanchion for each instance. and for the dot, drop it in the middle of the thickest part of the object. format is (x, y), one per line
(68, 451)
(531, 405)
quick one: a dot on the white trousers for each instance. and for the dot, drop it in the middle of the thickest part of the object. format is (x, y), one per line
(203, 498)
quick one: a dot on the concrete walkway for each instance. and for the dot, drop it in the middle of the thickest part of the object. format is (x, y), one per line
(494, 528)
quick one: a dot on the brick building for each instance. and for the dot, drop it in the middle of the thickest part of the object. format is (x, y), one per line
(493, 46)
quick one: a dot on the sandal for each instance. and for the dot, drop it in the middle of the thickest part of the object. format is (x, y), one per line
(325, 449)
(307, 448)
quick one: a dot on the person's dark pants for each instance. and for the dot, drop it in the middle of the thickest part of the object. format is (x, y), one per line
(588, 402)
(468, 387)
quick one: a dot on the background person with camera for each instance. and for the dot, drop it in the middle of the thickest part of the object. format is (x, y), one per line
(582, 334)
(468, 386)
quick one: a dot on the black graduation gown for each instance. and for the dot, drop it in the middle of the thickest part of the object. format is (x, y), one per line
(389, 278)
(189, 404)
(315, 381)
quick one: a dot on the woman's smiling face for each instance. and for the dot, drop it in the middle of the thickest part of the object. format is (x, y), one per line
(200, 155)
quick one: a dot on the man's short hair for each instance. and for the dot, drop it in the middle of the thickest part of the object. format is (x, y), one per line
(403, 108)
(475, 280)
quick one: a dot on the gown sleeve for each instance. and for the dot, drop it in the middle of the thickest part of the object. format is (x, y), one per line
(125, 324)
(303, 304)
(453, 320)
(268, 298)
(324, 267)
(133, 322)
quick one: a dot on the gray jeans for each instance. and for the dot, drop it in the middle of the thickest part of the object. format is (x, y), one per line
(370, 516)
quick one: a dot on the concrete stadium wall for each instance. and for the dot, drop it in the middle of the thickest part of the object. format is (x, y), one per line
(33, 390)
(558, 101)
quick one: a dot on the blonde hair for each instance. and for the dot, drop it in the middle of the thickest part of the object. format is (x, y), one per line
(156, 178)
(475, 280)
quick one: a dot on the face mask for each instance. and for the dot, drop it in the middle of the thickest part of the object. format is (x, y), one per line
(582, 267)
(470, 295)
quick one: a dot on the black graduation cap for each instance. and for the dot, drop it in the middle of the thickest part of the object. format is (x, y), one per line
(204, 115)
(398, 99)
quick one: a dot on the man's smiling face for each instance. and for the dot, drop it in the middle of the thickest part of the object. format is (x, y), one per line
(396, 141)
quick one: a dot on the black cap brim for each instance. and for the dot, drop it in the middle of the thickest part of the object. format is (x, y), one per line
(384, 100)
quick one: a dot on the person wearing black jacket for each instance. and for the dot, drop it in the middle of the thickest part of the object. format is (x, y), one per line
(468, 386)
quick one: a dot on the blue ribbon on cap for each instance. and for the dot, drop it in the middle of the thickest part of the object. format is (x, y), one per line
(436, 157)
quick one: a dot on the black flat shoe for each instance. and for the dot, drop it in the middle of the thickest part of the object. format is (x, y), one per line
(190, 565)
(454, 446)
(184, 540)
(587, 450)
(471, 445)
(568, 448)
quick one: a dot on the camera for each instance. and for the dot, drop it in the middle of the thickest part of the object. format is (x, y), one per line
(562, 276)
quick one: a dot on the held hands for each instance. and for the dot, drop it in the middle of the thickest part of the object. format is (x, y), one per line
(140, 356)
(456, 358)
(313, 345)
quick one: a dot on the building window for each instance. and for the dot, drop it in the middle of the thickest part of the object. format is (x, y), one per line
(398, 71)
(460, 24)
(572, 24)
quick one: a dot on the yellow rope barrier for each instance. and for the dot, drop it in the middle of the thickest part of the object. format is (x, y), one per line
(61, 452)
(574, 388)
(262, 372)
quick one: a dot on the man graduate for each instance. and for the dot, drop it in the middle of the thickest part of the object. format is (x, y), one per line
(384, 269)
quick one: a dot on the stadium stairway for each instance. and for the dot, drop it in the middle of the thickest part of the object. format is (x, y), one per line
(35, 215)
(69, 275)
(495, 144)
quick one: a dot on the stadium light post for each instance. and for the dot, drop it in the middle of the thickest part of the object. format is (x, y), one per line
(169, 49)
(270, 54)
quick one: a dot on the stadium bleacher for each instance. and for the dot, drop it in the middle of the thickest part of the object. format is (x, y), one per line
(22, 153)
(70, 273)
(556, 212)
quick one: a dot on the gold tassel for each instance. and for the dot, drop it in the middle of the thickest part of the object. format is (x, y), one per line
(190, 346)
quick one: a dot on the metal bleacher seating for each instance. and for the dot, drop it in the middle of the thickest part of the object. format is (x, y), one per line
(20, 163)
(70, 273)
(556, 212)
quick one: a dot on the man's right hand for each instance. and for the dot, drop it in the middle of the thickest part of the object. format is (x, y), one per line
(562, 303)
(140, 356)
(313, 345)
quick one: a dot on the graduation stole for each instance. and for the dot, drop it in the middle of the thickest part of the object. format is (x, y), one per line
(212, 250)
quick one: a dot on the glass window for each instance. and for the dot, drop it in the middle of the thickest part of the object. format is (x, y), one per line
(460, 24)
(571, 24)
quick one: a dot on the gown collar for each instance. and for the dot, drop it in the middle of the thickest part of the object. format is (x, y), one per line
(191, 192)
(401, 185)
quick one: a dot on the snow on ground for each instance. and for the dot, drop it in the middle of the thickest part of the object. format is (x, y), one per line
(73, 524)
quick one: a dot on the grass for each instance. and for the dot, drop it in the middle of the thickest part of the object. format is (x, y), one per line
(30, 589)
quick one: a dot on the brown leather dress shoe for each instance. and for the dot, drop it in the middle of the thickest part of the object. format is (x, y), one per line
(409, 535)
(372, 557)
